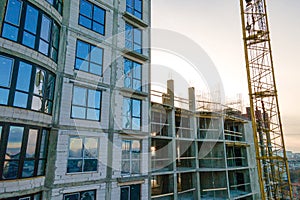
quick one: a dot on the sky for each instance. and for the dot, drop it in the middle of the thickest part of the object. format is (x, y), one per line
(215, 25)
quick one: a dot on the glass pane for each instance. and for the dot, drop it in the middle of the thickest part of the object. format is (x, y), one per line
(50, 87)
(20, 100)
(136, 146)
(43, 47)
(136, 123)
(28, 168)
(127, 82)
(96, 69)
(85, 22)
(37, 197)
(138, 14)
(55, 36)
(94, 99)
(127, 67)
(41, 168)
(98, 28)
(10, 32)
(128, 34)
(136, 167)
(75, 148)
(136, 108)
(138, 5)
(137, 48)
(31, 19)
(82, 50)
(79, 96)
(137, 73)
(96, 55)
(10, 169)
(88, 195)
(13, 12)
(31, 144)
(99, 15)
(44, 142)
(28, 39)
(137, 84)
(135, 192)
(6, 65)
(24, 75)
(125, 193)
(39, 82)
(137, 36)
(90, 147)
(45, 28)
(74, 196)
(4, 96)
(36, 103)
(50, 1)
(14, 142)
(90, 165)
(74, 165)
(125, 166)
(82, 65)
(78, 112)
(48, 106)
(93, 114)
(86, 8)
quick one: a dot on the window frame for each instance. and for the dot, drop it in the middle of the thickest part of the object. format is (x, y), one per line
(38, 158)
(53, 49)
(89, 58)
(132, 71)
(130, 188)
(132, 40)
(83, 138)
(30, 196)
(131, 114)
(92, 17)
(86, 107)
(131, 159)
(48, 93)
(133, 7)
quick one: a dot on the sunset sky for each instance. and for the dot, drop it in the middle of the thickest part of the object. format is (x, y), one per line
(215, 25)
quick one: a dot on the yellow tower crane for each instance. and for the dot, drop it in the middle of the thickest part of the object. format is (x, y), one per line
(272, 163)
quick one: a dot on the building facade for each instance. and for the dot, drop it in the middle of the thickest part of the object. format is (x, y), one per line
(74, 99)
(200, 150)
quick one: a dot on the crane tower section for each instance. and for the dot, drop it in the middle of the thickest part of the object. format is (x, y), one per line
(271, 157)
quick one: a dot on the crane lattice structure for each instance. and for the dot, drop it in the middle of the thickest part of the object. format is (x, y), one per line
(267, 127)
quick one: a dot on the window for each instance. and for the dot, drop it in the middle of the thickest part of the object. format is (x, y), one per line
(92, 17)
(133, 38)
(83, 154)
(131, 157)
(132, 113)
(24, 151)
(89, 58)
(35, 30)
(88, 195)
(37, 196)
(25, 85)
(134, 7)
(86, 104)
(133, 74)
(132, 192)
(57, 4)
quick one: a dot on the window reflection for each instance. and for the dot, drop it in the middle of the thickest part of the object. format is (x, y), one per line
(134, 7)
(86, 104)
(133, 74)
(40, 93)
(83, 154)
(133, 38)
(131, 151)
(26, 32)
(132, 114)
(92, 17)
(22, 151)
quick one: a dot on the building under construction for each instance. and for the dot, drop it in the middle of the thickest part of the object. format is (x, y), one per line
(200, 150)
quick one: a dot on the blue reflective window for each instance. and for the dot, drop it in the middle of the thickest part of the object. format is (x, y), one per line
(33, 88)
(133, 38)
(134, 7)
(132, 113)
(92, 17)
(17, 163)
(89, 58)
(86, 104)
(57, 4)
(131, 151)
(26, 32)
(132, 74)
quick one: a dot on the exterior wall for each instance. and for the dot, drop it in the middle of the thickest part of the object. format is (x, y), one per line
(107, 180)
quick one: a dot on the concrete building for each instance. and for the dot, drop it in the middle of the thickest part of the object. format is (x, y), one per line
(200, 150)
(74, 99)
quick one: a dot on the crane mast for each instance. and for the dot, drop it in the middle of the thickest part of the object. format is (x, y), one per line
(272, 163)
